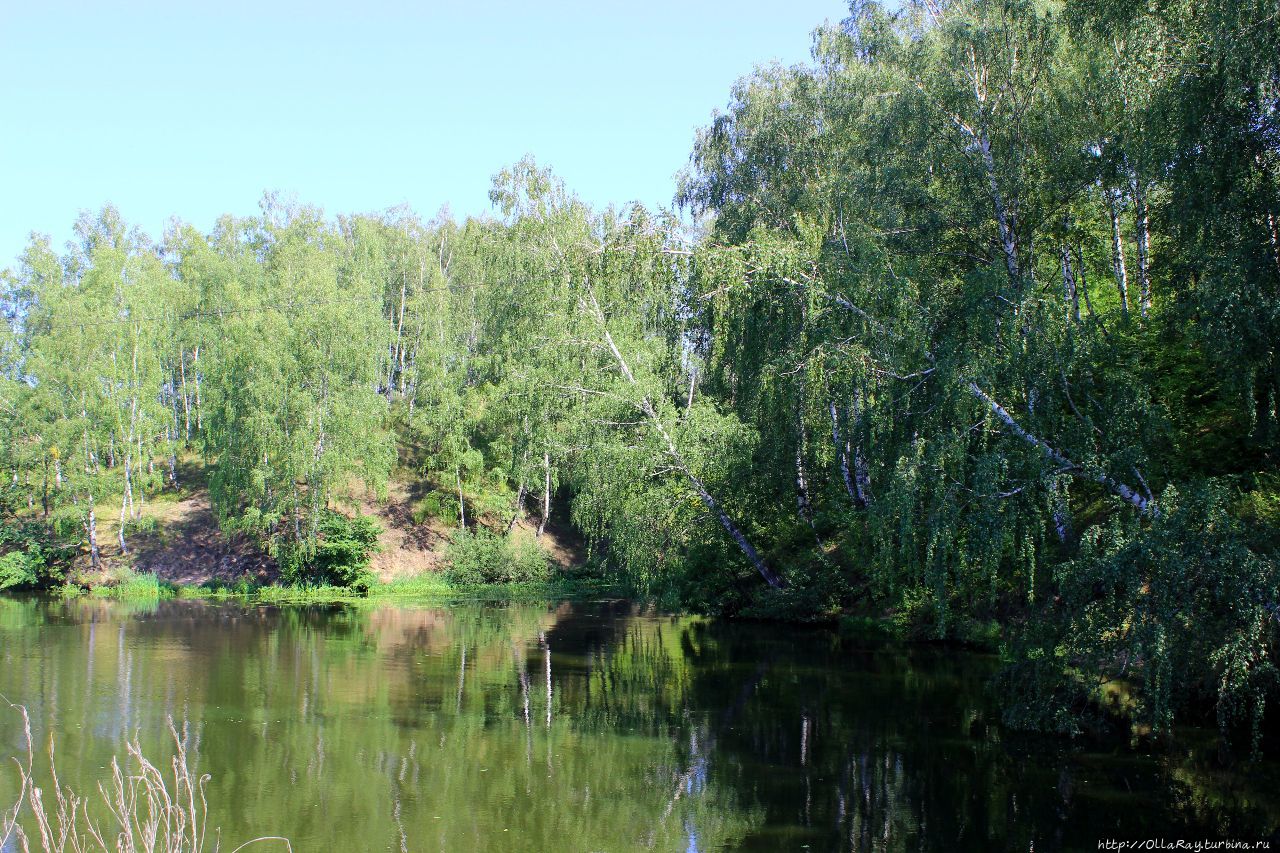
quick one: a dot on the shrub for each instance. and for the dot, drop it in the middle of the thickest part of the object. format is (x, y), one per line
(28, 560)
(476, 558)
(485, 557)
(529, 563)
(340, 556)
(438, 506)
(18, 569)
(1182, 609)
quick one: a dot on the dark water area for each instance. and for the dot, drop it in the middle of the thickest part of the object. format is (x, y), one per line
(584, 727)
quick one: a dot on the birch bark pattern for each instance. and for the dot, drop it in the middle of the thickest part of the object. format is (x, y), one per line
(803, 503)
(1145, 506)
(646, 407)
(1142, 227)
(91, 530)
(1070, 291)
(546, 495)
(1117, 249)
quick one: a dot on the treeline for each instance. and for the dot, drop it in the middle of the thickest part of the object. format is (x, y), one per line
(979, 321)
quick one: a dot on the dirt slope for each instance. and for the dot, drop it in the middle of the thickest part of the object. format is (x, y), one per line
(187, 546)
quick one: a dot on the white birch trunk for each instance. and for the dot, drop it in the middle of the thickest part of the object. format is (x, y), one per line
(186, 400)
(462, 506)
(1273, 232)
(195, 363)
(397, 358)
(842, 454)
(646, 407)
(1144, 505)
(1070, 290)
(1142, 227)
(1117, 249)
(546, 495)
(124, 501)
(804, 504)
(1004, 219)
(91, 530)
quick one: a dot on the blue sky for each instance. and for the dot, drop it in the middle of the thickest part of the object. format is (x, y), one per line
(195, 109)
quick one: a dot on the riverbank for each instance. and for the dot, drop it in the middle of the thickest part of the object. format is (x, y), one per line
(900, 627)
(128, 585)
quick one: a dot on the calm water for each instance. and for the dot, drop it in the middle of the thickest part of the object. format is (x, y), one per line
(581, 727)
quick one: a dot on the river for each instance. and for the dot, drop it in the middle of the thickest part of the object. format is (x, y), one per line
(596, 726)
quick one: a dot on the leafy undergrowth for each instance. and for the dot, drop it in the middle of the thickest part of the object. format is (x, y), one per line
(125, 584)
(131, 586)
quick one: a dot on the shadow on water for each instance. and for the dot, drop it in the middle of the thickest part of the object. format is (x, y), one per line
(583, 727)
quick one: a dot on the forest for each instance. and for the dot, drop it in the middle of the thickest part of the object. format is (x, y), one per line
(969, 326)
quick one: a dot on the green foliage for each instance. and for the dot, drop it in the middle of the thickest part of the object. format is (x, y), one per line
(135, 586)
(340, 556)
(979, 323)
(436, 505)
(29, 559)
(1185, 610)
(483, 557)
(20, 569)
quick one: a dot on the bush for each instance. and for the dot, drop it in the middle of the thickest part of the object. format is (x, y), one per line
(485, 557)
(135, 586)
(28, 560)
(1182, 609)
(19, 569)
(529, 563)
(438, 506)
(340, 556)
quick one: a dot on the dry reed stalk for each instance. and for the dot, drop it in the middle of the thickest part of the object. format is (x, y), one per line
(147, 812)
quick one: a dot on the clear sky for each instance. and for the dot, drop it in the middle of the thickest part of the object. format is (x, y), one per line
(194, 109)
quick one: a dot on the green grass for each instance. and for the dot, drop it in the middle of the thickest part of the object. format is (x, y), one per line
(135, 586)
(424, 587)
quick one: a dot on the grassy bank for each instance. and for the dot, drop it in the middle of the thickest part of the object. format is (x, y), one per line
(141, 586)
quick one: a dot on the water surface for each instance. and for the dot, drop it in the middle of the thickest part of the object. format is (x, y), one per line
(582, 727)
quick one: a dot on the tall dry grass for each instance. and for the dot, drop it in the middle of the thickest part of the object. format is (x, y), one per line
(138, 811)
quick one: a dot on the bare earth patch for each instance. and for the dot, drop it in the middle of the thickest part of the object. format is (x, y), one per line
(190, 548)
(187, 547)
(405, 548)
(409, 549)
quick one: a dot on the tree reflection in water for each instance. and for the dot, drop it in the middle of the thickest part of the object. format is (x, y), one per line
(581, 727)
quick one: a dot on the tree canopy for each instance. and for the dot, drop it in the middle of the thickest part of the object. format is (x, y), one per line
(974, 317)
